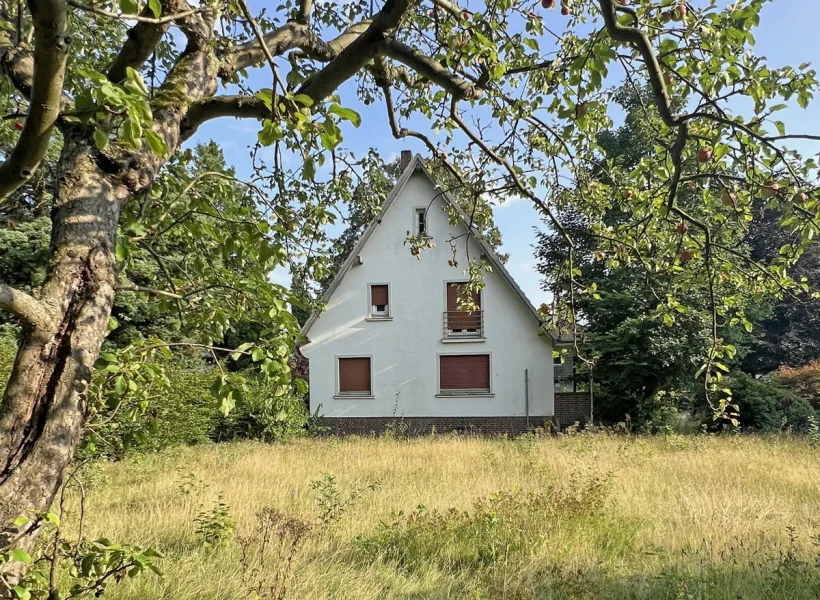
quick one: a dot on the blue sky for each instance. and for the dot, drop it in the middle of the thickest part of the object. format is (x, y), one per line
(787, 36)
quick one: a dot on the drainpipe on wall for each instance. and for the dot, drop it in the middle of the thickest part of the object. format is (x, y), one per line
(527, 396)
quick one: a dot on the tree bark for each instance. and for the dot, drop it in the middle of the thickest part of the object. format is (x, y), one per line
(44, 406)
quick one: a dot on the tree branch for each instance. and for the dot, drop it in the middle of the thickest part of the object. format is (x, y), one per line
(430, 69)
(290, 36)
(27, 308)
(145, 35)
(51, 41)
(132, 287)
(241, 107)
(358, 53)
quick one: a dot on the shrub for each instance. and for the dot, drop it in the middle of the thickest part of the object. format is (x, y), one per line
(803, 381)
(766, 405)
(265, 412)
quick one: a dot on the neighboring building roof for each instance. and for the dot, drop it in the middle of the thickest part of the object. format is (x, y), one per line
(418, 164)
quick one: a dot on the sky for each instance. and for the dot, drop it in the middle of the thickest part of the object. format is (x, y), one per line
(786, 36)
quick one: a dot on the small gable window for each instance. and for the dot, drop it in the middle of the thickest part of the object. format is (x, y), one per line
(421, 221)
(379, 300)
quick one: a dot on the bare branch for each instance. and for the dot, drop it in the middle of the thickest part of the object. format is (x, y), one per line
(358, 53)
(637, 38)
(290, 36)
(243, 107)
(430, 69)
(27, 308)
(133, 287)
(51, 41)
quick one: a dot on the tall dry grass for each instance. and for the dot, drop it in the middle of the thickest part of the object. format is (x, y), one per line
(682, 517)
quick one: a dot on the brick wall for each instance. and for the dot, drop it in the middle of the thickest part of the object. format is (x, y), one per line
(571, 407)
(424, 425)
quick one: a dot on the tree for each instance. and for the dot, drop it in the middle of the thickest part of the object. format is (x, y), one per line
(514, 118)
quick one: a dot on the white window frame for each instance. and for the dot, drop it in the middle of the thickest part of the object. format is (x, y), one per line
(425, 210)
(348, 395)
(468, 337)
(372, 315)
(463, 393)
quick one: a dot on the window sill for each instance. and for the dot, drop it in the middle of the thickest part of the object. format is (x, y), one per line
(462, 340)
(379, 319)
(466, 395)
(353, 397)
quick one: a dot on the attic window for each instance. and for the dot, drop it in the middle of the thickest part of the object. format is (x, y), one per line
(379, 301)
(421, 221)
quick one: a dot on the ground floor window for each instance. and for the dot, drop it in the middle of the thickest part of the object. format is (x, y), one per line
(464, 374)
(355, 376)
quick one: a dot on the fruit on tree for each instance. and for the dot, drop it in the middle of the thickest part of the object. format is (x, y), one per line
(581, 109)
(680, 12)
(682, 228)
(547, 3)
(686, 255)
(565, 10)
(800, 197)
(770, 191)
(728, 198)
(629, 194)
(18, 125)
(704, 155)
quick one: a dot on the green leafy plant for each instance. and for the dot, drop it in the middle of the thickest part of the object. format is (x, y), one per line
(332, 502)
(215, 526)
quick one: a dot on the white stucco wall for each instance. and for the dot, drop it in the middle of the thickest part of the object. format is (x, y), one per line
(405, 350)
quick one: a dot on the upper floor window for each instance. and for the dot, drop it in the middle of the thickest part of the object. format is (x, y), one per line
(421, 221)
(379, 300)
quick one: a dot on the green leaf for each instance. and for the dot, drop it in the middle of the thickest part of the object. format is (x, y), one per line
(310, 168)
(100, 139)
(129, 7)
(156, 143)
(20, 556)
(348, 114)
(155, 7)
(21, 592)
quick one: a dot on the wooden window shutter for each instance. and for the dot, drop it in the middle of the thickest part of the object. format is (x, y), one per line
(456, 319)
(378, 295)
(464, 372)
(354, 376)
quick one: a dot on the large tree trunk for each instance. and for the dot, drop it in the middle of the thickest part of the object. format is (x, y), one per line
(42, 411)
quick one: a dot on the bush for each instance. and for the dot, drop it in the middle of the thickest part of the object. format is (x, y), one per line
(803, 381)
(267, 413)
(766, 405)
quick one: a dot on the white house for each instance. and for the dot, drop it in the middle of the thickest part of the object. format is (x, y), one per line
(392, 343)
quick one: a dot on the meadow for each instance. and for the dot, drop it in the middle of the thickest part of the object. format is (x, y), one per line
(569, 516)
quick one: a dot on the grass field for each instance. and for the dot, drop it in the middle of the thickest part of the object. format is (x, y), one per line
(563, 517)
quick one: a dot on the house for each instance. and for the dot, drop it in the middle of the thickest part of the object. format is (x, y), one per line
(392, 342)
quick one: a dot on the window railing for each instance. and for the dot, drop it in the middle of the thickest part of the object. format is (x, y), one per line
(458, 324)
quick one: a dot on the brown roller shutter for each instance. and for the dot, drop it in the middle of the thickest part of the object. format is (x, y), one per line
(378, 295)
(354, 376)
(452, 297)
(465, 372)
(457, 319)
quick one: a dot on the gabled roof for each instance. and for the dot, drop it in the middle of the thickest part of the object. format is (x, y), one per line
(417, 163)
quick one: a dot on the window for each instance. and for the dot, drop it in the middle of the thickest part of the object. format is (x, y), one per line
(464, 374)
(459, 323)
(354, 376)
(379, 301)
(421, 221)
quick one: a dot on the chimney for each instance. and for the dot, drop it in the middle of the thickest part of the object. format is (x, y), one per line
(406, 157)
